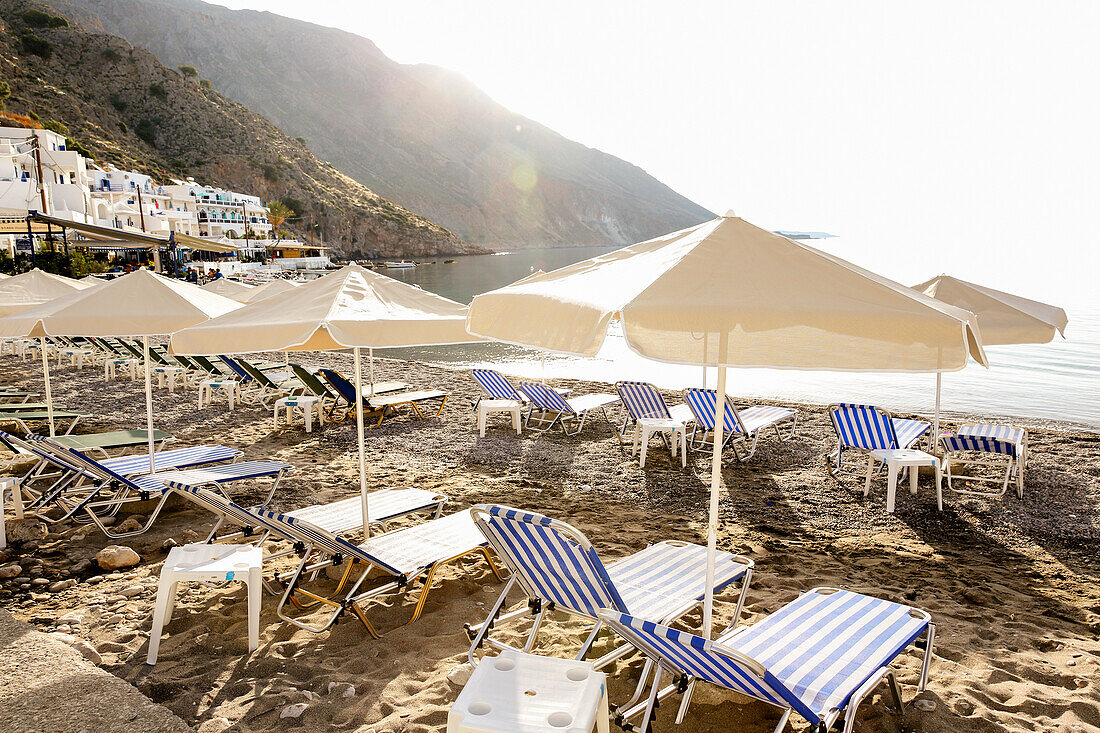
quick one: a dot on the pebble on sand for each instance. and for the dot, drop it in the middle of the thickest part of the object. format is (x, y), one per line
(114, 557)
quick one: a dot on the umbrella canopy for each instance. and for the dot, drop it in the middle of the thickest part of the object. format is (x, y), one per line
(139, 304)
(34, 288)
(3, 276)
(92, 280)
(267, 290)
(773, 302)
(727, 293)
(350, 308)
(230, 288)
(1003, 318)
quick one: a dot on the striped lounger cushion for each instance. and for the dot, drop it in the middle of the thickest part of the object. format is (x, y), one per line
(823, 646)
(407, 552)
(157, 483)
(496, 385)
(909, 431)
(172, 459)
(642, 400)
(660, 580)
(815, 651)
(347, 515)
(754, 418)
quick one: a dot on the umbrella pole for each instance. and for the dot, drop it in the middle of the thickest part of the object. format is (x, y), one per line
(362, 447)
(715, 488)
(936, 420)
(149, 405)
(46, 377)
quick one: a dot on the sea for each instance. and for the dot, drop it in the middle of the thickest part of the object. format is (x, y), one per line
(1058, 381)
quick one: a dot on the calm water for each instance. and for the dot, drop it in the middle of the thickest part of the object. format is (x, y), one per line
(1060, 380)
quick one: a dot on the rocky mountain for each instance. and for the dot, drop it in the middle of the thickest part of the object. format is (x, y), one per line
(126, 108)
(417, 134)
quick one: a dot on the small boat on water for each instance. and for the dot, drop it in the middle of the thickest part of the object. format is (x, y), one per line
(448, 262)
(403, 264)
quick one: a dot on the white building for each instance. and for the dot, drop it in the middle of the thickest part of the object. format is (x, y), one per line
(63, 190)
(221, 213)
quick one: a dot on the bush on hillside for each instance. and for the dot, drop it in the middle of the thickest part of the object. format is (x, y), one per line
(205, 84)
(147, 131)
(5, 92)
(71, 144)
(111, 55)
(118, 103)
(54, 126)
(35, 45)
(188, 71)
(40, 19)
(157, 90)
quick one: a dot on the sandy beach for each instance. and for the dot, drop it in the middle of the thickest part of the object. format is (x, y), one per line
(1013, 585)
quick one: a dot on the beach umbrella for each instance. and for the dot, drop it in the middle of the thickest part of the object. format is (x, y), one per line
(351, 308)
(34, 288)
(726, 293)
(1003, 318)
(92, 281)
(238, 291)
(28, 324)
(140, 304)
(30, 291)
(3, 276)
(267, 290)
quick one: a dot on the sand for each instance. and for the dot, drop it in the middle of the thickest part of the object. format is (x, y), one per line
(1011, 584)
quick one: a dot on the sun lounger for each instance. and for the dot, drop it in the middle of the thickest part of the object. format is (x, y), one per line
(382, 405)
(338, 518)
(980, 445)
(866, 428)
(70, 474)
(557, 568)
(270, 387)
(819, 656)
(9, 397)
(552, 409)
(109, 491)
(22, 419)
(405, 556)
(647, 410)
(739, 425)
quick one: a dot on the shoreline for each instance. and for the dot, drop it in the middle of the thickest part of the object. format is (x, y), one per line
(1014, 586)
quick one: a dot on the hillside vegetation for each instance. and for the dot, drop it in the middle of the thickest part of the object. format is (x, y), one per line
(420, 135)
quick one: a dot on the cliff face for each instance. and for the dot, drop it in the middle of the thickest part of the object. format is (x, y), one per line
(417, 134)
(128, 109)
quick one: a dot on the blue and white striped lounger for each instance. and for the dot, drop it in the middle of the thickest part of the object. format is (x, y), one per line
(72, 479)
(818, 656)
(866, 428)
(553, 409)
(558, 569)
(112, 490)
(739, 425)
(986, 441)
(406, 555)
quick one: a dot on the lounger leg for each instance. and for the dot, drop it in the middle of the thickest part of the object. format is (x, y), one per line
(589, 641)
(652, 703)
(870, 470)
(483, 631)
(644, 446)
(255, 586)
(530, 644)
(929, 641)
(783, 720)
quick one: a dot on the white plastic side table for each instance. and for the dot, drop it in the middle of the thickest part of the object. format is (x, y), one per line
(308, 405)
(169, 375)
(647, 426)
(208, 386)
(485, 407)
(208, 563)
(895, 461)
(526, 693)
